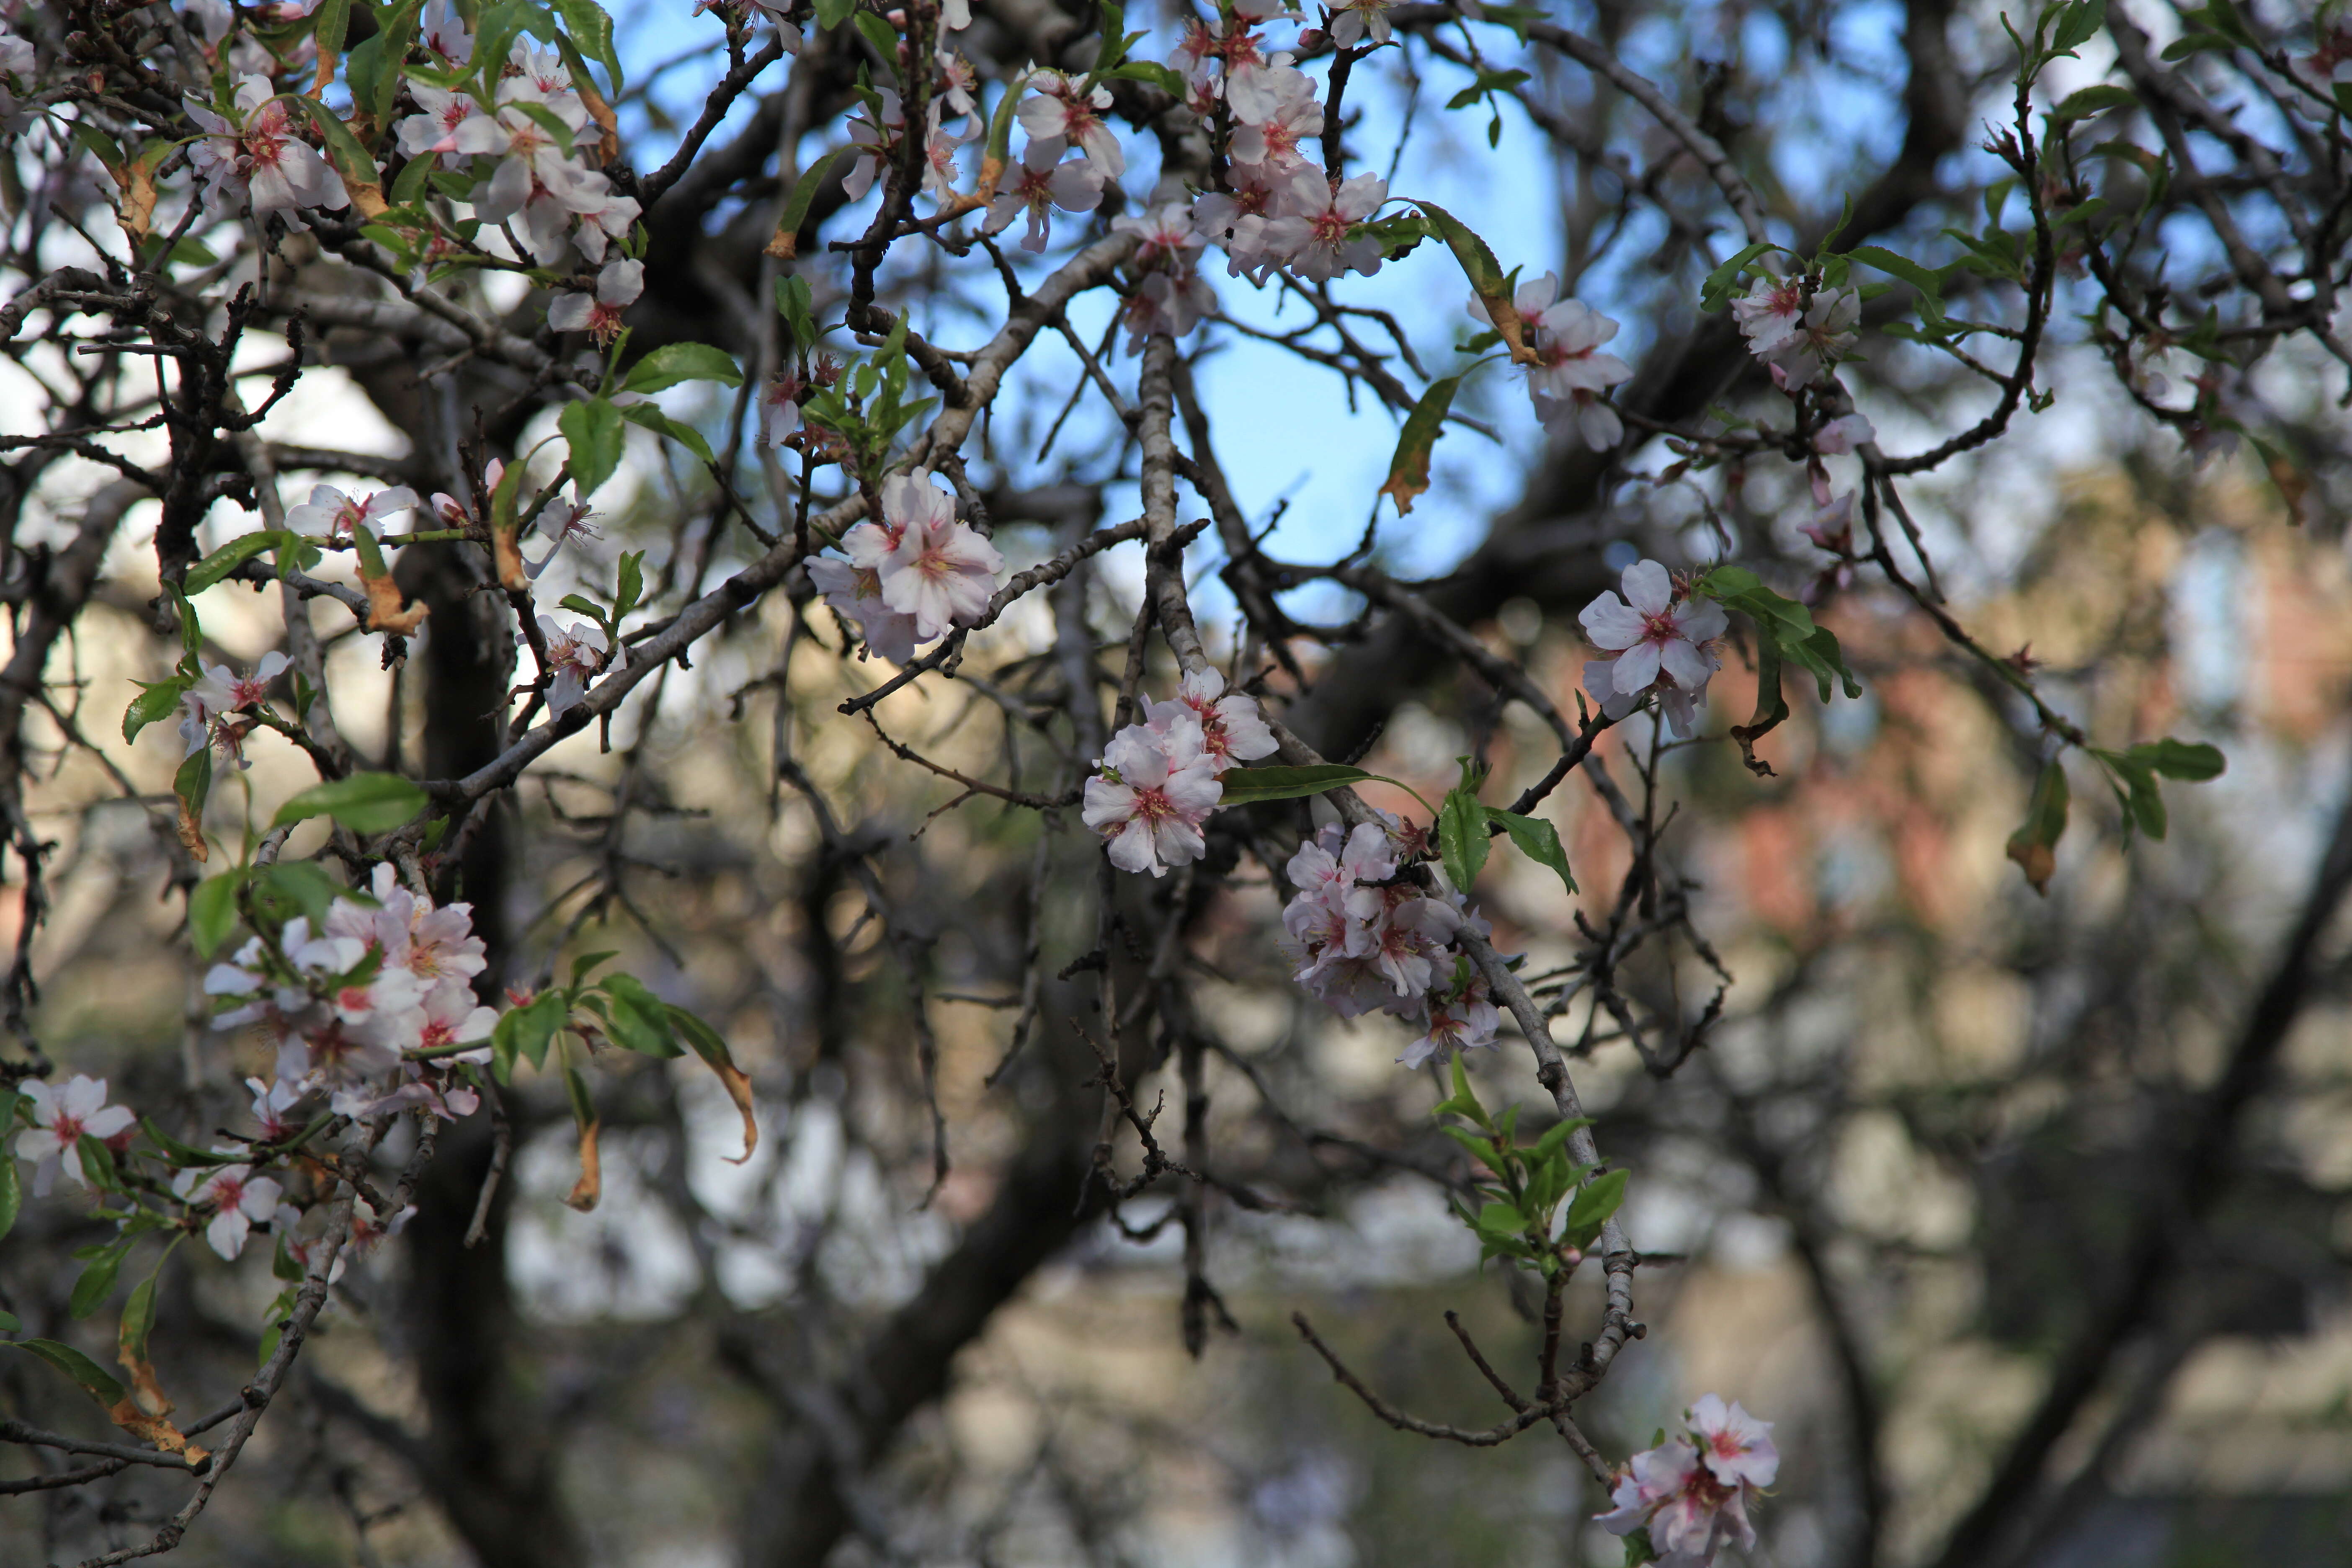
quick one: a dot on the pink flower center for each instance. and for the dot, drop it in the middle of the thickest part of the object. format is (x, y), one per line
(1154, 806)
(439, 1034)
(355, 999)
(68, 1128)
(227, 1191)
(1660, 629)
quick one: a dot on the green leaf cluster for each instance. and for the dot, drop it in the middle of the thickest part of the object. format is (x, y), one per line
(1537, 1204)
(1787, 624)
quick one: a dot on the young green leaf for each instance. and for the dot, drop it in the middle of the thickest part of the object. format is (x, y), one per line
(364, 803)
(211, 911)
(153, 704)
(1247, 786)
(1462, 838)
(1537, 840)
(217, 567)
(2034, 845)
(594, 431)
(674, 362)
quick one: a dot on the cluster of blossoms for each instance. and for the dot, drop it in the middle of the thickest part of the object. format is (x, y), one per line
(250, 155)
(1157, 780)
(369, 1007)
(915, 575)
(1664, 638)
(1571, 382)
(1798, 342)
(1278, 208)
(66, 1116)
(1362, 937)
(1691, 1492)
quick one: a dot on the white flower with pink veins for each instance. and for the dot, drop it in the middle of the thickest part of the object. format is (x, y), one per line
(1691, 1493)
(1352, 20)
(574, 656)
(62, 1117)
(1771, 312)
(1151, 798)
(1063, 107)
(856, 594)
(332, 516)
(537, 184)
(236, 1195)
(451, 123)
(1315, 238)
(1819, 342)
(221, 692)
(1166, 304)
(1566, 336)
(1277, 110)
(1659, 641)
(1040, 182)
(928, 566)
(1232, 729)
(1462, 1020)
(1166, 239)
(599, 314)
(253, 152)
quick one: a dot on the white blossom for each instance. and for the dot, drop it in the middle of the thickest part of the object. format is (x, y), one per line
(236, 1196)
(62, 1117)
(1155, 789)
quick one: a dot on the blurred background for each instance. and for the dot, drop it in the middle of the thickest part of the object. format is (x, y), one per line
(1958, 1162)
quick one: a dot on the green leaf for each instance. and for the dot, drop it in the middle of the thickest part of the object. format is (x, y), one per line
(2192, 761)
(1715, 293)
(138, 1318)
(364, 803)
(794, 216)
(10, 1322)
(211, 911)
(213, 568)
(1409, 468)
(1151, 72)
(329, 23)
(183, 1154)
(1500, 1220)
(1537, 840)
(878, 33)
(1555, 1135)
(684, 434)
(397, 29)
(2194, 43)
(592, 29)
(629, 584)
(1462, 836)
(2090, 100)
(1929, 283)
(299, 887)
(594, 431)
(1481, 1149)
(1593, 1204)
(639, 1020)
(153, 704)
(832, 14)
(674, 362)
(76, 1365)
(1487, 279)
(97, 1281)
(193, 782)
(2034, 845)
(350, 160)
(525, 1031)
(2079, 23)
(1247, 786)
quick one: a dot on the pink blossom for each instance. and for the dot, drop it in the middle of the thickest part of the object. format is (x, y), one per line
(445, 34)
(451, 123)
(1818, 341)
(221, 692)
(1040, 182)
(1572, 375)
(1166, 305)
(1770, 313)
(1691, 1492)
(332, 516)
(574, 657)
(935, 569)
(1463, 1019)
(238, 1196)
(1149, 802)
(617, 288)
(856, 594)
(1064, 107)
(1166, 239)
(62, 1117)
(1735, 1445)
(1275, 109)
(252, 153)
(780, 408)
(1842, 435)
(1664, 641)
(271, 1101)
(1330, 243)
(1232, 729)
(1352, 20)
(875, 137)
